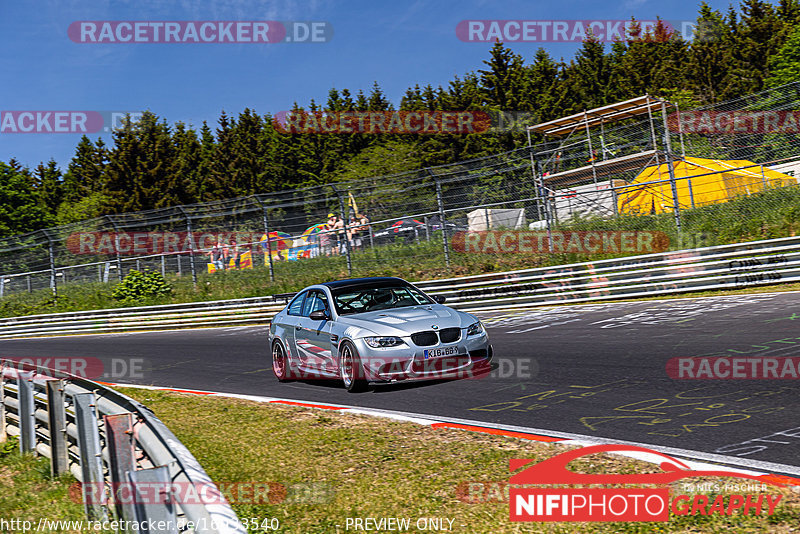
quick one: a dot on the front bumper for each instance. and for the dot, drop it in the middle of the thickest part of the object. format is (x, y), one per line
(407, 362)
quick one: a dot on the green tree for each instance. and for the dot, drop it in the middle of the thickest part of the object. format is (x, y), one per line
(21, 209)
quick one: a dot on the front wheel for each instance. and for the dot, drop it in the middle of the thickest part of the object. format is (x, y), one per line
(280, 363)
(350, 369)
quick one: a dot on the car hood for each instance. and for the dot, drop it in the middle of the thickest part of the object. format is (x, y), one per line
(404, 321)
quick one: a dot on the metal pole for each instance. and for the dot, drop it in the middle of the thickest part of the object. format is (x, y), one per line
(119, 441)
(116, 246)
(3, 434)
(671, 167)
(440, 202)
(190, 239)
(265, 220)
(652, 128)
(27, 412)
(91, 456)
(344, 222)
(591, 149)
(51, 254)
(59, 460)
(680, 133)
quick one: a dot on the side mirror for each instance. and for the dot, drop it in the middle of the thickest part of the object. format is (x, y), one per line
(439, 299)
(319, 315)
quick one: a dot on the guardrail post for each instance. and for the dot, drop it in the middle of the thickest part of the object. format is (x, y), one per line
(149, 509)
(440, 203)
(265, 220)
(3, 435)
(2, 285)
(59, 461)
(27, 412)
(346, 230)
(119, 440)
(94, 496)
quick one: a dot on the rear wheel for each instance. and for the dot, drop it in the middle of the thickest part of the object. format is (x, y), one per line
(280, 363)
(350, 369)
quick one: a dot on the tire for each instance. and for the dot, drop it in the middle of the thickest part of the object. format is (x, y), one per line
(281, 365)
(350, 369)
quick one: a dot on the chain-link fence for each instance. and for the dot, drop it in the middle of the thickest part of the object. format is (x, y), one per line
(724, 173)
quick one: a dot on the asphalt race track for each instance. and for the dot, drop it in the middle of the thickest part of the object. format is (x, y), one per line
(596, 370)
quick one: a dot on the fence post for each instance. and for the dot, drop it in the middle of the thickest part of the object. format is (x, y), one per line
(119, 440)
(59, 461)
(91, 455)
(190, 239)
(668, 147)
(27, 412)
(440, 203)
(2, 285)
(51, 254)
(116, 246)
(265, 220)
(3, 435)
(346, 230)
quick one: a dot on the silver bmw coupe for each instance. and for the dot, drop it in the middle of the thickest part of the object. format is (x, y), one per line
(375, 330)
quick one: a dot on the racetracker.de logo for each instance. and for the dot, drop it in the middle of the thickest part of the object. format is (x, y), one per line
(710, 122)
(382, 122)
(565, 31)
(521, 242)
(199, 31)
(75, 122)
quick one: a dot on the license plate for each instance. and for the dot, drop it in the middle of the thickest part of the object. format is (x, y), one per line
(438, 353)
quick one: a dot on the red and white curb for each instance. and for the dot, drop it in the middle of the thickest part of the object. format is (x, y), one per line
(694, 459)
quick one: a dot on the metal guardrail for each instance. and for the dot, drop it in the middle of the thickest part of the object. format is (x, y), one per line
(700, 269)
(719, 267)
(240, 312)
(113, 445)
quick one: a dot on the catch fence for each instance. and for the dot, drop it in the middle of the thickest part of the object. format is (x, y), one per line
(702, 177)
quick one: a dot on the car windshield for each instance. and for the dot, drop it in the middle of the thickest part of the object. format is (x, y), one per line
(365, 299)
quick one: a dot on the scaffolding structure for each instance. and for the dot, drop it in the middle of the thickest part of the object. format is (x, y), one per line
(582, 153)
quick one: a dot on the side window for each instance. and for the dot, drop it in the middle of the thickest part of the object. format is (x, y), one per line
(296, 306)
(315, 301)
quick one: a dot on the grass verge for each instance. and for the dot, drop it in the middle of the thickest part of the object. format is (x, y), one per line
(327, 466)
(360, 466)
(28, 493)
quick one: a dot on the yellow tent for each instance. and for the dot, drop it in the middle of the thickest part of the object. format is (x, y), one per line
(725, 184)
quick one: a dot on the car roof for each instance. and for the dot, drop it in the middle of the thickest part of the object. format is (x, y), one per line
(374, 281)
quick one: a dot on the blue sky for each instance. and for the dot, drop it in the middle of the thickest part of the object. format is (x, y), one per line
(396, 43)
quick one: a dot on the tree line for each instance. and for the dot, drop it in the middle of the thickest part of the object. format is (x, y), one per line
(152, 164)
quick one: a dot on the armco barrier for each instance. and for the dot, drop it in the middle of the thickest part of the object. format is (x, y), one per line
(110, 443)
(721, 267)
(240, 312)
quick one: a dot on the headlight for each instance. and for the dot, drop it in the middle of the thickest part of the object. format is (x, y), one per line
(383, 341)
(475, 329)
